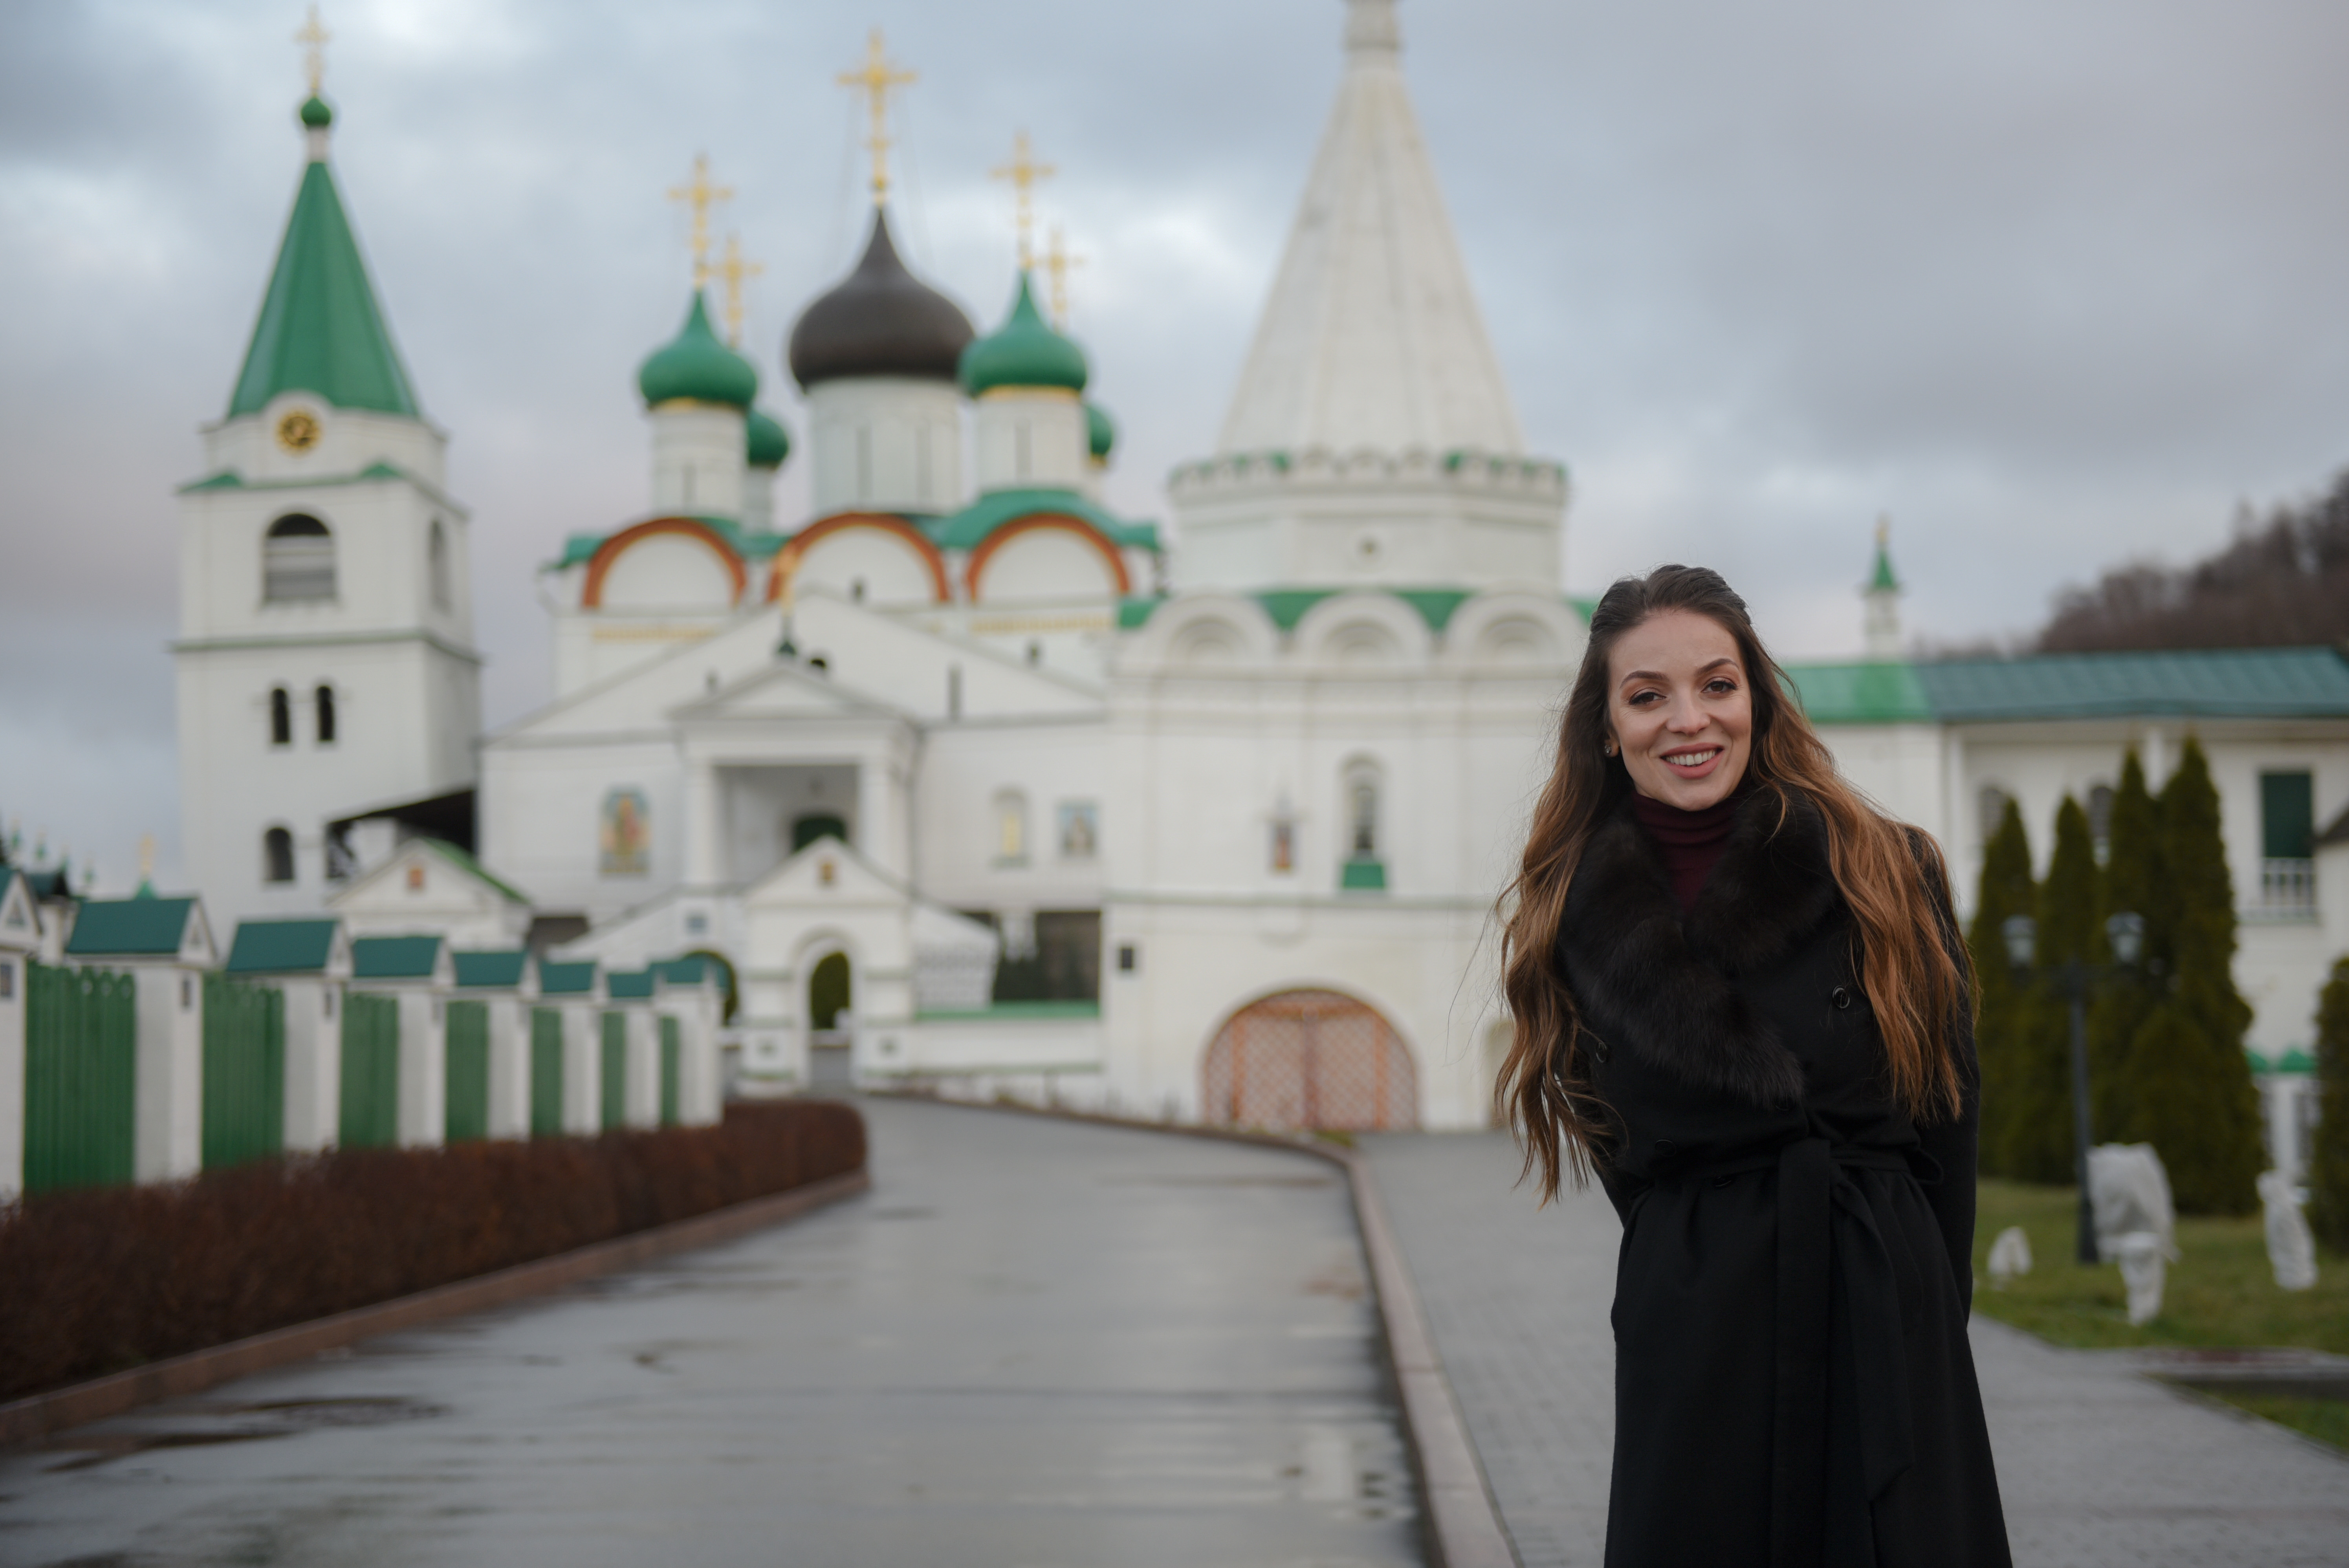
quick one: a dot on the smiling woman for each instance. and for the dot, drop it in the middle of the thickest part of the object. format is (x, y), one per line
(1740, 1002)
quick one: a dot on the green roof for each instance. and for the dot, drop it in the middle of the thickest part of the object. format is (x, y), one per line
(695, 365)
(566, 979)
(129, 927)
(315, 113)
(282, 946)
(990, 511)
(492, 970)
(766, 442)
(1101, 431)
(1885, 692)
(2218, 683)
(628, 985)
(394, 957)
(688, 970)
(579, 549)
(2228, 683)
(465, 862)
(1023, 352)
(1881, 580)
(320, 330)
(1136, 613)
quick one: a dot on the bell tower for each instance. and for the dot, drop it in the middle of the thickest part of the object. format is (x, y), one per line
(325, 661)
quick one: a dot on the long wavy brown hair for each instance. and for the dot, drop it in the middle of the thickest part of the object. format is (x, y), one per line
(1892, 877)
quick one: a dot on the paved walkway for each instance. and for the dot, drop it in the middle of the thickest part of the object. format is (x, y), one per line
(1035, 1343)
(2097, 1465)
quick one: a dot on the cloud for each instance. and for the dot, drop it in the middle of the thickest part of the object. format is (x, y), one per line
(2053, 286)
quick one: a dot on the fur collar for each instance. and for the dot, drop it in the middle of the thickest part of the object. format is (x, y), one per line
(1665, 985)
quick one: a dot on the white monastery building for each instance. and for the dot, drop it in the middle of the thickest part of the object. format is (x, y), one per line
(970, 783)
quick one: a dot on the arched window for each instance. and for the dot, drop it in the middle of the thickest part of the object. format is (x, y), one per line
(1010, 828)
(326, 702)
(436, 565)
(1364, 868)
(297, 560)
(281, 716)
(277, 856)
(1990, 809)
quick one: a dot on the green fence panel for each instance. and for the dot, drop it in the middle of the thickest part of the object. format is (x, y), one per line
(370, 1108)
(616, 1069)
(81, 1061)
(545, 1072)
(672, 1071)
(244, 1072)
(469, 1071)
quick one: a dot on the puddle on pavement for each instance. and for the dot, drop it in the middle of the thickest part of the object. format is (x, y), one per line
(209, 1426)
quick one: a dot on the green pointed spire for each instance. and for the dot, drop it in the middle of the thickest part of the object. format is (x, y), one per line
(1881, 580)
(320, 329)
(1024, 352)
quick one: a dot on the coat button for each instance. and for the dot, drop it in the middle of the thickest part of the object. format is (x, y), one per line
(1840, 996)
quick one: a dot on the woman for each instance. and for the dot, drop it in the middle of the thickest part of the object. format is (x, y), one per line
(1741, 1002)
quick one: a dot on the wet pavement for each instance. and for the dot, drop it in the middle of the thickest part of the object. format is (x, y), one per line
(1033, 1344)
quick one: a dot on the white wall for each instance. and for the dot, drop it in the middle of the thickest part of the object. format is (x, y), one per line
(885, 443)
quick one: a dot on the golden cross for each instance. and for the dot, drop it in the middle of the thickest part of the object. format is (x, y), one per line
(732, 267)
(1023, 171)
(699, 194)
(875, 80)
(1059, 262)
(314, 37)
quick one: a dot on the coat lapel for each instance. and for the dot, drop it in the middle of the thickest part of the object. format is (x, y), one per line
(1647, 979)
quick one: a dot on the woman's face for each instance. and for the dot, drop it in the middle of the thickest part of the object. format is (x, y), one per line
(1678, 707)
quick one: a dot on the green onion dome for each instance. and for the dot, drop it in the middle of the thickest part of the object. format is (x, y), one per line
(880, 320)
(316, 114)
(694, 364)
(1024, 352)
(766, 443)
(1101, 432)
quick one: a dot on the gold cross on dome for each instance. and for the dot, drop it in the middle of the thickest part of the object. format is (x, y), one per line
(1059, 262)
(875, 80)
(700, 195)
(732, 267)
(1023, 171)
(314, 39)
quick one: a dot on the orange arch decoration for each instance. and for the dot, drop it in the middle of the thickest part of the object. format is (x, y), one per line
(787, 559)
(599, 565)
(1042, 520)
(1302, 1059)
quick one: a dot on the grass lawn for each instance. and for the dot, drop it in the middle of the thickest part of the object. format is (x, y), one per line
(2220, 1292)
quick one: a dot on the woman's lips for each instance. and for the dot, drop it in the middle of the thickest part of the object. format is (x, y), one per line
(1706, 759)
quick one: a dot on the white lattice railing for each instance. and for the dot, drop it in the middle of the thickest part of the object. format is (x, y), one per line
(2287, 891)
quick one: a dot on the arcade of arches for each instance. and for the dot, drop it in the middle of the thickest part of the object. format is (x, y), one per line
(1309, 1059)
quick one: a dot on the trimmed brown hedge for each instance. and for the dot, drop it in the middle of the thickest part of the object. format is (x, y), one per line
(107, 1278)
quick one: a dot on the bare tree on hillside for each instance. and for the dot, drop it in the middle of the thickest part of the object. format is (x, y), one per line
(2284, 582)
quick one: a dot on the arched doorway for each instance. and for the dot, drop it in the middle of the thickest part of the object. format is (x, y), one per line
(830, 1042)
(1309, 1059)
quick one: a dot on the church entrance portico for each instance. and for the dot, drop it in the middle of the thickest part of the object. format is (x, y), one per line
(831, 1016)
(1309, 1059)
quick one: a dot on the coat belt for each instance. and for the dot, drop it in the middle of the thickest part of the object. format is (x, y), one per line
(1833, 1262)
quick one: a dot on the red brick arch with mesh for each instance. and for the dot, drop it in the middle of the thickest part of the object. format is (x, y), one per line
(1309, 1059)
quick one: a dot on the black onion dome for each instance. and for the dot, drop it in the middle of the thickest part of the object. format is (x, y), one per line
(880, 321)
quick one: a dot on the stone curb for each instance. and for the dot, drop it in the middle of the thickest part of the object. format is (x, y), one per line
(1464, 1526)
(29, 1420)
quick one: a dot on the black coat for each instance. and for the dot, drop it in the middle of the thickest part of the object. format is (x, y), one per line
(1793, 1382)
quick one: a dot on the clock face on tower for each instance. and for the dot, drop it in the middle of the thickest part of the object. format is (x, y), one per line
(298, 430)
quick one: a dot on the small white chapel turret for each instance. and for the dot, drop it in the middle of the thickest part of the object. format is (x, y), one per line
(1882, 596)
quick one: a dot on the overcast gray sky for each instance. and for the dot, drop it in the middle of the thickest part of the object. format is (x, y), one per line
(2052, 285)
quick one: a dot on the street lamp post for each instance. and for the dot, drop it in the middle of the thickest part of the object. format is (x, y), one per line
(2125, 931)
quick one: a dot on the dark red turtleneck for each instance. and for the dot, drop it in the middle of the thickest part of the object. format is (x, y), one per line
(1691, 840)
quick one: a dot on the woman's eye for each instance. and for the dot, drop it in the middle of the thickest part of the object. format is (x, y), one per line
(1722, 687)
(1644, 699)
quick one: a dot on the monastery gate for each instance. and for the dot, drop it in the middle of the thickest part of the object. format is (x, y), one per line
(1309, 1059)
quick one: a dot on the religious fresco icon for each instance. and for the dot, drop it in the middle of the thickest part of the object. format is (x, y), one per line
(1080, 829)
(627, 835)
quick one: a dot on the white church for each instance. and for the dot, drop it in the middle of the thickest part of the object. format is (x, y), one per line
(972, 784)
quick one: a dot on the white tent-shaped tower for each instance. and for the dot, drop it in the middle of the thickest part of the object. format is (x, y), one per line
(1371, 439)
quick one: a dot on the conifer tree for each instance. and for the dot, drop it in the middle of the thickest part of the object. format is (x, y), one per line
(2037, 1129)
(2188, 1081)
(2006, 889)
(2134, 883)
(2328, 1164)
